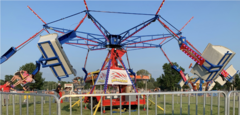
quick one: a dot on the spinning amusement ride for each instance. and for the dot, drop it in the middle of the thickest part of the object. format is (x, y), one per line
(209, 66)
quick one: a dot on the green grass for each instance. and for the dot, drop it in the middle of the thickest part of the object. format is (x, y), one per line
(76, 109)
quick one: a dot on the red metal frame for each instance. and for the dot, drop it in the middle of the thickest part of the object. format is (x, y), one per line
(30, 38)
(38, 17)
(160, 7)
(80, 22)
(192, 54)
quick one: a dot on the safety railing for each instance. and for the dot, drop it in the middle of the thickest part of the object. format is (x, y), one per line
(233, 103)
(188, 103)
(27, 104)
(163, 103)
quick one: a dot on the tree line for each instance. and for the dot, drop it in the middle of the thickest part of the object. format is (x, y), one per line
(168, 80)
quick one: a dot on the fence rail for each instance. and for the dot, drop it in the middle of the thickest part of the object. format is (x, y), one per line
(183, 103)
(232, 98)
(5, 97)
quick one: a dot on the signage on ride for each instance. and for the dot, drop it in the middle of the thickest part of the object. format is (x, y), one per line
(119, 76)
(69, 86)
(102, 77)
(116, 77)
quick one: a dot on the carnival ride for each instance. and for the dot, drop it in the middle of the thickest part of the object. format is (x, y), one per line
(209, 66)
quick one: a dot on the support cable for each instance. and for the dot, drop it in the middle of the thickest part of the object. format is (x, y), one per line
(65, 17)
(121, 12)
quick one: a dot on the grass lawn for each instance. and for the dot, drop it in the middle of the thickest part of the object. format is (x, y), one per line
(76, 109)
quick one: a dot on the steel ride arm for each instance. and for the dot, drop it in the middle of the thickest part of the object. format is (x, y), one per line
(60, 31)
(175, 67)
(13, 50)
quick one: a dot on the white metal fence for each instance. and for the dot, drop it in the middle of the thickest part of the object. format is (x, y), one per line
(233, 99)
(27, 104)
(183, 103)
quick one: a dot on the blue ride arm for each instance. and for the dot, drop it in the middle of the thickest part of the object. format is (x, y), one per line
(7, 55)
(179, 71)
(37, 68)
(85, 71)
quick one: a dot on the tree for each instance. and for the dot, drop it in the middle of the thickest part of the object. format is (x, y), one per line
(2, 82)
(237, 82)
(151, 84)
(170, 78)
(87, 86)
(143, 72)
(140, 84)
(228, 85)
(63, 82)
(50, 85)
(8, 77)
(38, 77)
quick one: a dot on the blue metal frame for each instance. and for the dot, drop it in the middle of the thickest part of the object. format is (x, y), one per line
(133, 84)
(86, 74)
(212, 66)
(38, 64)
(98, 76)
(7, 55)
(101, 45)
(66, 37)
(196, 80)
(101, 27)
(131, 71)
(42, 59)
(123, 34)
(230, 78)
(127, 40)
(106, 80)
(200, 85)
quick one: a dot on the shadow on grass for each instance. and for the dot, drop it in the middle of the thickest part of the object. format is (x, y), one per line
(25, 105)
(67, 108)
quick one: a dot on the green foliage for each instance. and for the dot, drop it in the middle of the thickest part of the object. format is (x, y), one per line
(185, 87)
(237, 81)
(38, 77)
(143, 72)
(228, 85)
(87, 86)
(170, 78)
(151, 83)
(8, 77)
(140, 84)
(2, 82)
(50, 85)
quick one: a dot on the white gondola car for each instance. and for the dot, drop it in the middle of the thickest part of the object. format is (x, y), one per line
(54, 55)
(217, 55)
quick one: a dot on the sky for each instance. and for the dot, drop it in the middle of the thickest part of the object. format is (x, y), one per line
(215, 22)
